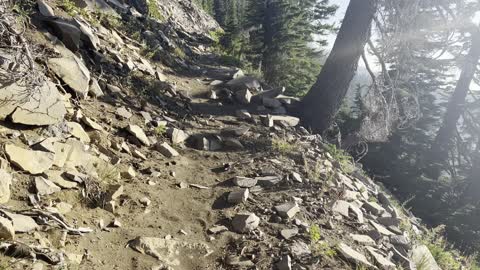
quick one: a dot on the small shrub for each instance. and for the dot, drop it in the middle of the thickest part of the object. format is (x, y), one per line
(315, 235)
(153, 11)
(179, 53)
(160, 130)
(283, 147)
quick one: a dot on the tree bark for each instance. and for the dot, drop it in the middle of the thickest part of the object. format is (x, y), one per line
(456, 103)
(321, 104)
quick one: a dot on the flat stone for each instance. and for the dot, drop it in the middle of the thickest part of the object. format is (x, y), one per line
(245, 82)
(34, 162)
(177, 135)
(5, 184)
(244, 182)
(296, 177)
(136, 153)
(123, 112)
(166, 150)
(145, 201)
(94, 89)
(357, 213)
(244, 96)
(22, 223)
(389, 221)
(146, 117)
(363, 239)
(300, 249)
(62, 151)
(72, 71)
(381, 229)
(129, 173)
(287, 210)
(268, 181)
(77, 131)
(217, 229)
(45, 187)
(271, 102)
(44, 106)
(75, 176)
(382, 262)
(245, 222)
(353, 256)
(239, 196)
(45, 9)
(290, 121)
(238, 261)
(7, 232)
(341, 207)
(216, 82)
(289, 233)
(350, 195)
(57, 178)
(114, 191)
(243, 114)
(373, 208)
(139, 134)
(91, 123)
(64, 208)
(400, 240)
(285, 263)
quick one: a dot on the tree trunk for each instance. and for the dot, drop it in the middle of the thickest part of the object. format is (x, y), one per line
(319, 107)
(456, 103)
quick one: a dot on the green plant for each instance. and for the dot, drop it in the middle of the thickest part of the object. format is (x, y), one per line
(343, 159)
(160, 130)
(107, 173)
(282, 146)
(315, 235)
(71, 8)
(179, 53)
(153, 11)
(216, 35)
(447, 258)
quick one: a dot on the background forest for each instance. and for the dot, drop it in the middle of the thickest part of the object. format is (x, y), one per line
(414, 123)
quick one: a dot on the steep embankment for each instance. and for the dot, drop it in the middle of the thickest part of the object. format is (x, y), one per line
(127, 147)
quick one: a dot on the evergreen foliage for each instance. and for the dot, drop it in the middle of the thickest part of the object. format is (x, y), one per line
(281, 39)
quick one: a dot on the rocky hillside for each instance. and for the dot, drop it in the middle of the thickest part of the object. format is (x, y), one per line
(126, 145)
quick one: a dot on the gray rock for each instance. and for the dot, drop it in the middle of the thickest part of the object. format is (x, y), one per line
(284, 120)
(45, 9)
(34, 162)
(72, 71)
(21, 223)
(373, 208)
(363, 239)
(243, 114)
(57, 178)
(381, 229)
(244, 182)
(353, 256)
(7, 232)
(299, 249)
(45, 187)
(268, 181)
(400, 240)
(177, 135)
(238, 74)
(77, 131)
(421, 256)
(94, 89)
(114, 191)
(146, 116)
(218, 229)
(245, 222)
(239, 196)
(166, 150)
(123, 112)
(289, 233)
(271, 102)
(5, 184)
(243, 96)
(285, 263)
(382, 262)
(296, 177)
(287, 210)
(341, 207)
(389, 221)
(242, 83)
(91, 123)
(41, 107)
(238, 261)
(216, 83)
(139, 134)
